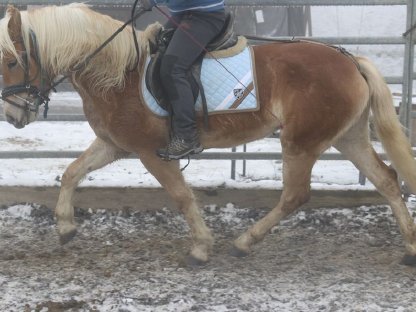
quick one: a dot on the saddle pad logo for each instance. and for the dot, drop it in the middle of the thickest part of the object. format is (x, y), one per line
(228, 85)
(238, 93)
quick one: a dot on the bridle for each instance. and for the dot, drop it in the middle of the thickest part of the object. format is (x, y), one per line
(36, 96)
(40, 95)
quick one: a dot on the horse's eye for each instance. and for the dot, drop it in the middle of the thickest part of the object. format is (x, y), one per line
(12, 64)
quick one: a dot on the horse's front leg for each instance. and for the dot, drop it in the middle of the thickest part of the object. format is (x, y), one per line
(170, 177)
(98, 154)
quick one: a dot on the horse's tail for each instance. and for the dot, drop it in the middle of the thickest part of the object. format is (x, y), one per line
(387, 125)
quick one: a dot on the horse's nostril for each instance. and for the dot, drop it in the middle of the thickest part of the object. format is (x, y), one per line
(14, 122)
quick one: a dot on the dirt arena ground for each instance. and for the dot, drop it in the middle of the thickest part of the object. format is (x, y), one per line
(318, 260)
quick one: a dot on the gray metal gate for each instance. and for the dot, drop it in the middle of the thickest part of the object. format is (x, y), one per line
(407, 79)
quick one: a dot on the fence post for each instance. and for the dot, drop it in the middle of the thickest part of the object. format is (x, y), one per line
(408, 70)
(233, 164)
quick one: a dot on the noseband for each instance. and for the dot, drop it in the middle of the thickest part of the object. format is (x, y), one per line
(38, 96)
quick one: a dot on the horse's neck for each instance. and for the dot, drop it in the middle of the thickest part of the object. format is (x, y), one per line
(114, 99)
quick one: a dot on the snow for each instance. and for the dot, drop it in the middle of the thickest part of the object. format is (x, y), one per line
(318, 260)
(19, 211)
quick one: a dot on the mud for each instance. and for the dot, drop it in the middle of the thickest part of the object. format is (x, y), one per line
(318, 260)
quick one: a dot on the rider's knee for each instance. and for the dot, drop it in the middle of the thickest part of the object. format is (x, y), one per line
(170, 67)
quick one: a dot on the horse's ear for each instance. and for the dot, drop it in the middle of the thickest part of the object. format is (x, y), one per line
(15, 23)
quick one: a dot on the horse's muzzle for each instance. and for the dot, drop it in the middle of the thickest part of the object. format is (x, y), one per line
(14, 122)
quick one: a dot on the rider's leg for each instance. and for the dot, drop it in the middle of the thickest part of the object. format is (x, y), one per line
(196, 30)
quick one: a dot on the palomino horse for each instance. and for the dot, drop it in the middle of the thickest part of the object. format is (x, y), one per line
(316, 95)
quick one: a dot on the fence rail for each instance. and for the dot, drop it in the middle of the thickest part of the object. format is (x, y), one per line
(202, 156)
(341, 40)
(227, 2)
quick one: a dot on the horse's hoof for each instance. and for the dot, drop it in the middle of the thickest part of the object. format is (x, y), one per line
(409, 260)
(191, 261)
(66, 238)
(236, 252)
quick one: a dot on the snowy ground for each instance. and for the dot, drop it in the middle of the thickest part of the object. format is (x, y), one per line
(318, 260)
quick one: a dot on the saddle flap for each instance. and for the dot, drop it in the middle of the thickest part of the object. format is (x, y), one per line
(153, 81)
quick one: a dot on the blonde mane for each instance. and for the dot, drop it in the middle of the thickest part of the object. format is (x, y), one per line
(67, 34)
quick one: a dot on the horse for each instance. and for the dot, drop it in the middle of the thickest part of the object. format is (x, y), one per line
(316, 96)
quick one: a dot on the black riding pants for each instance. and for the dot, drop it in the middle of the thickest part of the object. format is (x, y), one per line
(181, 53)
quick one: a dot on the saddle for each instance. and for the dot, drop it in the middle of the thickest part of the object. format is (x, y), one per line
(226, 39)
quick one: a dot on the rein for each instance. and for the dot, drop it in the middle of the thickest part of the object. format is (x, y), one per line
(295, 40)
(98, 50)
(40, 95)
(409, 31)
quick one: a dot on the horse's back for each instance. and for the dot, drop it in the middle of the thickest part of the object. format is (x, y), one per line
(306, 63)
(318, 88)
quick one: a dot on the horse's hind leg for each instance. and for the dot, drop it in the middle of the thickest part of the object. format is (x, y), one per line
(356, 146)
(98, 154)
(170, 177)
(297, 168)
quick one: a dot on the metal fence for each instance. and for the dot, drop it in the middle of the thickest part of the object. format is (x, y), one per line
(275, 21)
(408, 39)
